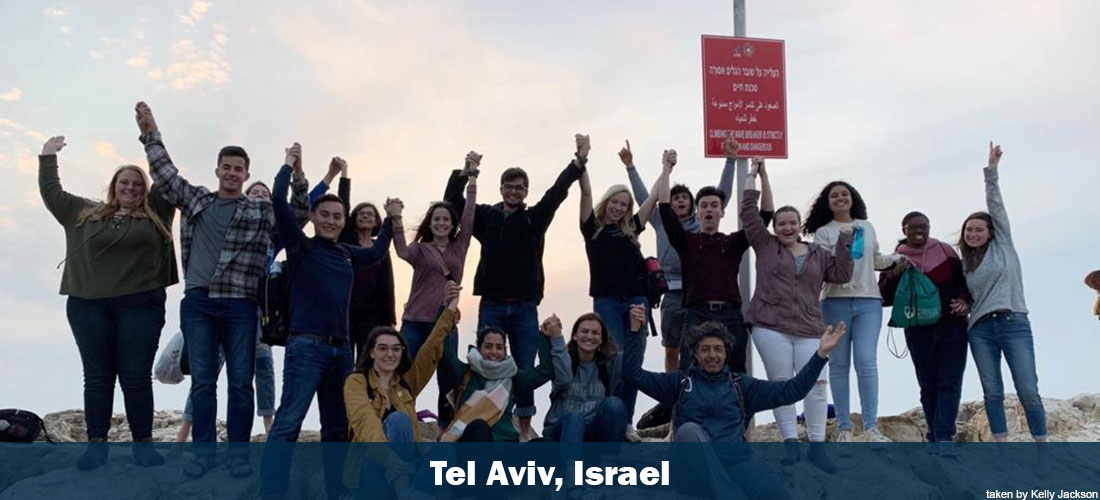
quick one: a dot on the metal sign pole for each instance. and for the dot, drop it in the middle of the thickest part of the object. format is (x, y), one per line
(745, 274)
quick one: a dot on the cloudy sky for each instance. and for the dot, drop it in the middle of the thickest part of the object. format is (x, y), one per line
(898, 99)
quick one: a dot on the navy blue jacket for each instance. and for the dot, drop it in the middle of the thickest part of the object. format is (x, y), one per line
(320, 288)
(709, 399)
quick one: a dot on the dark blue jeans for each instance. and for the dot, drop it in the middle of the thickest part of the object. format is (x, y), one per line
(731, 318)
(939, 358)
(230, 324)
(1008, 333)
(309, 367)
(520, 320)
(415, 333)
(615, 312)
(118, 337)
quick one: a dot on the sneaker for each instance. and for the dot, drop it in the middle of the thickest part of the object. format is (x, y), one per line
(845, 436)
(631, 434)
(876, 438)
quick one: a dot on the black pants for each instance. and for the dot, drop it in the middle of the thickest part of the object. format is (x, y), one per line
(939, 357)
(731, 318)
(117, 338)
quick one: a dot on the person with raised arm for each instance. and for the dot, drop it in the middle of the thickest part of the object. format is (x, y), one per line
(858, 303)
(225, 238)
(998, 324)
(711, 261)
(616, 267)
(380, 397)
(118, 262)
(712, 403)
(318, 351)
(785, 311)
(509, 275)
(438, 257)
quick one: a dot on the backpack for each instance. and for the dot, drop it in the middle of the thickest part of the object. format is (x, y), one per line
(656, 286)
(21, 426)
(916, 301)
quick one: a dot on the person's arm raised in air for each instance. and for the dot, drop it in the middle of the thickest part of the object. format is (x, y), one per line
(64, 207)
(677, 236)
(756, 230)
(349, 234)
(583, 147)
(563, 363)
(646, 208)
(290, 234)
(361, 256)
(468, 215)
(731, 148)
(995, 204)
(542, 213)
(533, 378)
(664, 387)
(427, 358)
(175, 189)
(763, 395)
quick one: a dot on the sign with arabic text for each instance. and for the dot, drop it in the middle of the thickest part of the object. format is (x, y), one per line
(745, 95)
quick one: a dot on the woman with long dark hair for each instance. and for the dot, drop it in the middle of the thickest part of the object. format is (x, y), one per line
(118, 261)
(998, 317)
(587, 371)
(857, 303)
(938, 350)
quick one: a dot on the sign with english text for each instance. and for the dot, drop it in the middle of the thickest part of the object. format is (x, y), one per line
(744, 95)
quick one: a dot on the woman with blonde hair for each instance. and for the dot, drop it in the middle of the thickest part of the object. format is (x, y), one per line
(118, 261)
(616, 266)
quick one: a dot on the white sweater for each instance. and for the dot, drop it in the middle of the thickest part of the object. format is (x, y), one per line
(864, 283)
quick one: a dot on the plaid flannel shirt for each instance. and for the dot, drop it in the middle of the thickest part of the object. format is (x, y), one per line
(243, 259)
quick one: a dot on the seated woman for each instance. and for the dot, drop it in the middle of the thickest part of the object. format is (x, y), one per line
(380, 397)
(489, 380)
(586, 373)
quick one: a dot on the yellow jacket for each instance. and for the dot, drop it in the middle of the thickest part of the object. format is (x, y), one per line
(365, 413)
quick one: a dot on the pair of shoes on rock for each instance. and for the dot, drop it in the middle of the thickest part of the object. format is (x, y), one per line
(816, 455)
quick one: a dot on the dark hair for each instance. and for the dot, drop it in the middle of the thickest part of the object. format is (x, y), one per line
(682, 189)
(607, 346)
(481, 334)
(424, 232)
(972, 257)
(377, 215)
(514, 173)
(784, 209)
(257, 183)
(905, 220)
(365, 362)
(709, 329)
(233, 151)
(820, 213)
(325, 199)
(711, 191)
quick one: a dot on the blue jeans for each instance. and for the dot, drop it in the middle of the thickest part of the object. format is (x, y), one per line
(415, 333)
(117, 338)
(520, 320)
(230, 324)
(265, 384)
(615, 312)
(310, 367)
(864, 319)
(374, 478)
(1008, 333)
(939, 358)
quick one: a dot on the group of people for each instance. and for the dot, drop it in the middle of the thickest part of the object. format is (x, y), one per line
(817, 302)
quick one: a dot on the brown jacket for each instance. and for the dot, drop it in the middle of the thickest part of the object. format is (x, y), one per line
(784, 300)
(365, 413)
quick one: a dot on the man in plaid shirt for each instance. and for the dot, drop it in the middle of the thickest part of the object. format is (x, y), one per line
(224, 240)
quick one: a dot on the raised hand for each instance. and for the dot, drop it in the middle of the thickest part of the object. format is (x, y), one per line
(473, 162)
(294, 157)
(626, 156)
(756, 166)
(668, 159)
(393, 207)
(53, 145)
(551, 327)
(995, 153)
(830, 339)
(584, 145)
(731, 147)
(451, 293)
(336, 167)
(146, 123)
(637, 317)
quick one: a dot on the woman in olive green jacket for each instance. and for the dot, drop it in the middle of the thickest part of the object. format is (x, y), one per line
(118, 261)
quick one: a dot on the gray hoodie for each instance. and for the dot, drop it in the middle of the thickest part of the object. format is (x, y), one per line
(580, 392)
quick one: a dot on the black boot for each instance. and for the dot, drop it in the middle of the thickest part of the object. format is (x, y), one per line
(94, 456)
(792, 455)
(820, 459)
(145, 454)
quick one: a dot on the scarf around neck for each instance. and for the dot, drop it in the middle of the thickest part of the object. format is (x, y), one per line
(494, 372)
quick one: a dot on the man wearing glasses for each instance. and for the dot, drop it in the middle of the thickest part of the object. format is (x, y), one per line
(509, 275)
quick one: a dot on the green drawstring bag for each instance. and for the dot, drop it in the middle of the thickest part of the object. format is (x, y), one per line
(916, 301)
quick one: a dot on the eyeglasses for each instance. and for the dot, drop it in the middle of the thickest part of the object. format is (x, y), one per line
(383, 349)
(917, 226)
(519, 188)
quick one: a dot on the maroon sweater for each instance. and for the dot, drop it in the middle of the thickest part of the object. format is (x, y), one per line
(710, 261)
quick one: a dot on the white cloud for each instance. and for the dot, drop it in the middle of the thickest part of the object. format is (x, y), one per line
(195, 13)
(138, 61)
(192, 67)
(56, 12)
(154, 74)
(65, 30)
(11, 95)
(95, 54)
(37, 136)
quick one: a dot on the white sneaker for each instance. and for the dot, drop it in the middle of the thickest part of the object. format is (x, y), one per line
(631, 434)
(876, 438)
(844, 436)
